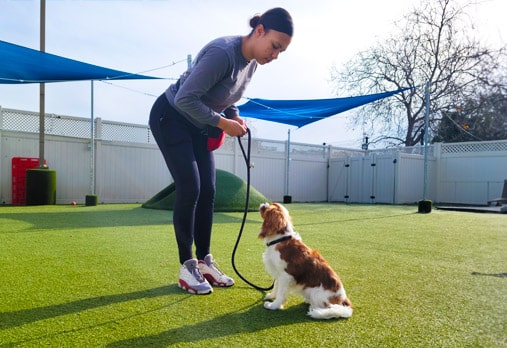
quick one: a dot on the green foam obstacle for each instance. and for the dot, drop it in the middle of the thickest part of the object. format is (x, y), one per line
(230, 195)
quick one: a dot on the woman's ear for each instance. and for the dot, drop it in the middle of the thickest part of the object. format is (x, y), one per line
(259, 30)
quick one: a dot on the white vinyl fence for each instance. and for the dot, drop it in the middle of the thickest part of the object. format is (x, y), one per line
(129, 168)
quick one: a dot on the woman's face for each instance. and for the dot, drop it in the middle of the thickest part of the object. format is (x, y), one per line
(269, 45)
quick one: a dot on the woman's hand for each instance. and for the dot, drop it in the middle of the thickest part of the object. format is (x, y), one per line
(239, 120)
(233, 127)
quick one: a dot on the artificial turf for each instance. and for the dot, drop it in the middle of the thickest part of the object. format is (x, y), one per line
(76, 276)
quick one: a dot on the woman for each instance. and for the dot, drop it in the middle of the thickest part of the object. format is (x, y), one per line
(200, 101)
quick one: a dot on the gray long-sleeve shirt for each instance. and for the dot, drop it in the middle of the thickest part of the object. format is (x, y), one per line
(216, 81)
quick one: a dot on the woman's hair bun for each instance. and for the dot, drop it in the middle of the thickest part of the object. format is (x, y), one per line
(254, 21)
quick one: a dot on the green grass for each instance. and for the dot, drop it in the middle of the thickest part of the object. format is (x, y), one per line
(106, 276)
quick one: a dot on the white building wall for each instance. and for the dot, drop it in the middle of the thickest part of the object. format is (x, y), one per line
(338, 179)
(471, 173)
(390, 178)
(308, 180)
(129, 173)
(385, 179)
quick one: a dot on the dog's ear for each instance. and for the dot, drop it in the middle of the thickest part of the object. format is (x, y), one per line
(263, 207)
(262, 233)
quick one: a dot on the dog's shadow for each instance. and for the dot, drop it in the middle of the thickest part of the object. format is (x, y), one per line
(252, 318)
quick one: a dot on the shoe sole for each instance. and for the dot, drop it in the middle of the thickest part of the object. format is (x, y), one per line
(183, 285)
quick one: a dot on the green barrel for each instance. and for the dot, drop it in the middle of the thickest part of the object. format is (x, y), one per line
(40, 186)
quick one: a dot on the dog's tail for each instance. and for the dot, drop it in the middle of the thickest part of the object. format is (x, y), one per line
(333, 311)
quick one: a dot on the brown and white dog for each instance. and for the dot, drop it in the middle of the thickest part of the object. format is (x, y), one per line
(298, 269)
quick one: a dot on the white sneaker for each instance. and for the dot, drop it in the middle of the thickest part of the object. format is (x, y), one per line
(192, 280)
(211, 272)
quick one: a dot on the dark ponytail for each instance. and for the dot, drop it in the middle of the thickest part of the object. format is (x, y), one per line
(277, 19)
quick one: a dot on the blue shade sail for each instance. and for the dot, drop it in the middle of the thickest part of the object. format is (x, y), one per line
(302, 112)
(20, 64)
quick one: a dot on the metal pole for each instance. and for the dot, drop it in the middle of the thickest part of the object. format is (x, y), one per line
(426, 138)
(92, 145)
(42, 89)
(288, 165)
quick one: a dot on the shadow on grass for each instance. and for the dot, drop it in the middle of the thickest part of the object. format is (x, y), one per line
(499, 275)
(250, 319)
(362, 218)
(85, 217)
(25, 316)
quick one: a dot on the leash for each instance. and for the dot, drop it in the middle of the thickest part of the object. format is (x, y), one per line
(246, 157)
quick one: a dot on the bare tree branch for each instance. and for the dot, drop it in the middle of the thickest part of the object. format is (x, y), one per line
(433, 43)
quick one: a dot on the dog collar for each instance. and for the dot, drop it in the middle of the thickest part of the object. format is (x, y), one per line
(278, 240)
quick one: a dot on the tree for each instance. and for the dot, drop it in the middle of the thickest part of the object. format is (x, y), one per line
(432, 44)
(479, 119)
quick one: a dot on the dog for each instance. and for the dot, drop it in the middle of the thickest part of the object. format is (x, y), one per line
(298, 269)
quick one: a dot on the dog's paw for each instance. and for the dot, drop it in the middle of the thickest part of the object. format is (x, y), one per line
(270, 296)
(272, 305)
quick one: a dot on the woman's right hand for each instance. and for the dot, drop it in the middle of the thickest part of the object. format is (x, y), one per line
(231, 127)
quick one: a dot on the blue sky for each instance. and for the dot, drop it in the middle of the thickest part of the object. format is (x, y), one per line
(138, 36)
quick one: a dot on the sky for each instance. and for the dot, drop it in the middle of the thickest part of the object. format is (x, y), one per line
(155, 37)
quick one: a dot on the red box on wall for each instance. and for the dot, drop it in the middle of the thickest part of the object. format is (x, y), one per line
(19, 167)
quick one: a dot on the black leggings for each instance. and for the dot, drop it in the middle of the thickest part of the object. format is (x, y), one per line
(192, 167)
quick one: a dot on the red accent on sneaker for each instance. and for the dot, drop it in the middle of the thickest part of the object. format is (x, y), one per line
(184, 285)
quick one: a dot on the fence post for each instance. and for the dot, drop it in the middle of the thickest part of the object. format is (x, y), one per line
(396, 161)
(437, 169)
(287, 198)
(425, 204)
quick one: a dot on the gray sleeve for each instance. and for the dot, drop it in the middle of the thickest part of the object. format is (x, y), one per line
(211, 68)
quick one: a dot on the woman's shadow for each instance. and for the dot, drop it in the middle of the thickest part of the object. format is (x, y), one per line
(25, 316)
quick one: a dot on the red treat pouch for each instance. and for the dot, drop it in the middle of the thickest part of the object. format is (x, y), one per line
(216, 138)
